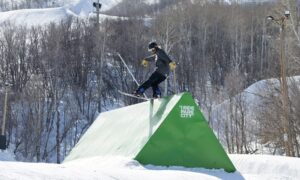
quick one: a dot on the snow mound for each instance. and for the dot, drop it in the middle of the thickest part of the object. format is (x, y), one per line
(267, 166)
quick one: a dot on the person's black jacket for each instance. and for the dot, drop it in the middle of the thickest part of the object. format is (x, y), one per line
(162, 61)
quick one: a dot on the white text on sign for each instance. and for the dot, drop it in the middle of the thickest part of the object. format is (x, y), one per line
(187, 111)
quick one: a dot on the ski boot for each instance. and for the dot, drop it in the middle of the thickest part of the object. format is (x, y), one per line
(138, 93)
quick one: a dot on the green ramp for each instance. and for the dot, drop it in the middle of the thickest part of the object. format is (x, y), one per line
(167, 132)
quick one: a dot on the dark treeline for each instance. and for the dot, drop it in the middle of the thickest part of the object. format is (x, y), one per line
(62, 75)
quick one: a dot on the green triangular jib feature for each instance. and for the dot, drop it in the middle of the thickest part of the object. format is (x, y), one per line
(184, 138)
(170, 131)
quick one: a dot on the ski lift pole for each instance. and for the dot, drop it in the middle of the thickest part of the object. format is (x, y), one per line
(123, 61)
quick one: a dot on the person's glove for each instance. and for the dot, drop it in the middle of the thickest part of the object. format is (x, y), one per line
(145, 63)
(172, 65)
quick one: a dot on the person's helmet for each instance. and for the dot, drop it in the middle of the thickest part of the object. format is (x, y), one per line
(152, 45)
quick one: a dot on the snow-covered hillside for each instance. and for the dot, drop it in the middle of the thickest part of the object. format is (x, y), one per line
(249, 167)
(31, 17)
(250, 101)
(75, 8)
(62, 9)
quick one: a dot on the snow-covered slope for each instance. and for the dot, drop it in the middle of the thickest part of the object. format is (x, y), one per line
(31, 17)
(250, 167)
(75, 8)
(251, 101)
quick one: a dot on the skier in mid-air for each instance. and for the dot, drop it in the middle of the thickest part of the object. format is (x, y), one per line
(163, 66)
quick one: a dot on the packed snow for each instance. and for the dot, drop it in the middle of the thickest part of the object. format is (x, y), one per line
(249, 167)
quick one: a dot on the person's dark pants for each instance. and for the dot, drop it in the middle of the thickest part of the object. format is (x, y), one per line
(154, 80)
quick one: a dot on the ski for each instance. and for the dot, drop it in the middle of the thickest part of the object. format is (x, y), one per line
(133, 96)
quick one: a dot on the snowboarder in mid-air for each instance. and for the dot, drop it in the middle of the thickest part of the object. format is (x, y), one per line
(163, 66)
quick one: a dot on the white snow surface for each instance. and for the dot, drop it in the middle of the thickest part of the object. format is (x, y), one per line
(249, 167)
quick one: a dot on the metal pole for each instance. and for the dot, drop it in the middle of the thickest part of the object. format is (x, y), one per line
(284, 88)
(4, 113)
(150, 117)
(97, 5)
(128, 69)
(283, 84)
(166, 87)
(98, 14)
(175, 84)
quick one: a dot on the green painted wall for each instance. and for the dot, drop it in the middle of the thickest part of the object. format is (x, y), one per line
(185, 139)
